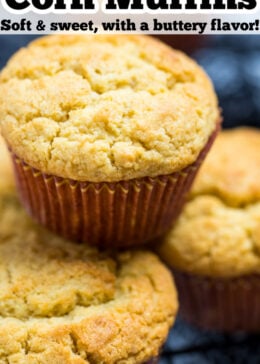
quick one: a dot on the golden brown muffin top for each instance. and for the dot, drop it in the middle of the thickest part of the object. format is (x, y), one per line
(231, 171)
(218, 232)
(65, 303)
(105, 107)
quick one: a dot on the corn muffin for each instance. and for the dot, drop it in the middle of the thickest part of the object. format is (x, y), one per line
(214, 248)
(106, 132)
(66, 303)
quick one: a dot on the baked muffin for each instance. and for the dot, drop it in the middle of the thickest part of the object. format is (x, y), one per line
(214, 248)
(106, 132)
(65, 303)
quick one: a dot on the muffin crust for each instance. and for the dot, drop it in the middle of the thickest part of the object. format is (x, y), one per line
(231, 171)
(218, 232)
(106, 107)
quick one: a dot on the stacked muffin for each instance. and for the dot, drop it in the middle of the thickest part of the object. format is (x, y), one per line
(214, 247)
(106, 135)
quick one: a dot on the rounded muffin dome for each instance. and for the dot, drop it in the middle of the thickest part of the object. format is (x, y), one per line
(105, 107)
(217, 234)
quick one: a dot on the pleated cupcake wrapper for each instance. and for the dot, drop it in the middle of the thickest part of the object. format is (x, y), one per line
(106, 214)
(227, 305)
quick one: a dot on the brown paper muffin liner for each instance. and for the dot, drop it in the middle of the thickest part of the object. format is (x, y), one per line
(106, 214)
(228, 305)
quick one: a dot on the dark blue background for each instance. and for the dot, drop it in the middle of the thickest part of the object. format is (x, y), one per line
(233, 62)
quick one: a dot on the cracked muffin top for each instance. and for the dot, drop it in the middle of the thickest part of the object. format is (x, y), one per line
(218, 232)
(63, 303)
(106, 107)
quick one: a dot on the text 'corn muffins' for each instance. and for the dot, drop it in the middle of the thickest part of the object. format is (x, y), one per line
(215, 244)
(112, 126)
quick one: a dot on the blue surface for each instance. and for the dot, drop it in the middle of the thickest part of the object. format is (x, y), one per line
(189, 345)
